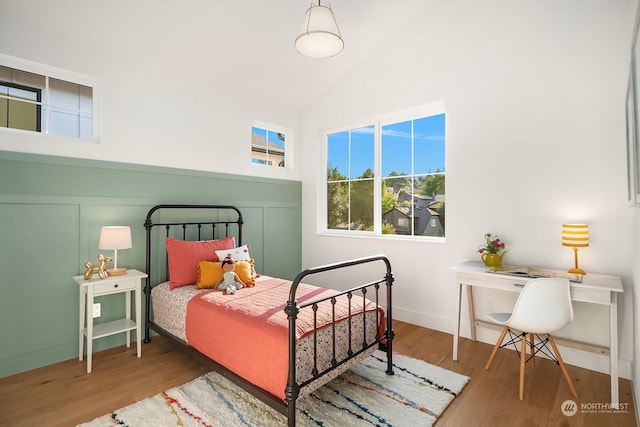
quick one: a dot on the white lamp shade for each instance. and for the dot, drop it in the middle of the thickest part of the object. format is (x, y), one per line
(320, 36)
(115, 237)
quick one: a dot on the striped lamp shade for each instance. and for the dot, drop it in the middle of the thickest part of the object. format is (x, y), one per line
(575, 235)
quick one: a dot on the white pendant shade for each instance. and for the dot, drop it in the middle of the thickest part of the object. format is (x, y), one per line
(320, 36)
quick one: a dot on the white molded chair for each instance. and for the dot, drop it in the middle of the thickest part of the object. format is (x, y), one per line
(543, 306)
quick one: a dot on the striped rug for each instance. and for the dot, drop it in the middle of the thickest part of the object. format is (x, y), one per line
(364, 395)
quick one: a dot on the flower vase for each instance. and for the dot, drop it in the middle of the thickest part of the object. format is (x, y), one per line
(492, 260)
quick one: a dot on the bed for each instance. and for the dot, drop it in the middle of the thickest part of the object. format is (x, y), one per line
(277, 339)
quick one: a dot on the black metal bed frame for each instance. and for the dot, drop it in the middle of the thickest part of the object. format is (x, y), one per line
(292, 391)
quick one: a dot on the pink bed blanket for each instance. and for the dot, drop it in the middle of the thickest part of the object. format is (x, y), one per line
(247, 332)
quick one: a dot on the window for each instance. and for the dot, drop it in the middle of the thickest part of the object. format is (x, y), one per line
(19, 107)
(268, 146)
(388, 177)
(38, 98)
(350, 179)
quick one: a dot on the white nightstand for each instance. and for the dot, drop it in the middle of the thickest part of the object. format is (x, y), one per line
(89, 289)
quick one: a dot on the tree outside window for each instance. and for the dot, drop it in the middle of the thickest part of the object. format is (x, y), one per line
(350, 179)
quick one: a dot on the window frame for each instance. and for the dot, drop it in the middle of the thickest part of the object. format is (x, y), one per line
(413, 113)
(51, 72)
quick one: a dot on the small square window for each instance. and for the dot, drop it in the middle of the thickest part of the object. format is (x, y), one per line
(268, 146)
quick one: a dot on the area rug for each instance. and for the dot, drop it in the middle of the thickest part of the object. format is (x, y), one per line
(364, 395)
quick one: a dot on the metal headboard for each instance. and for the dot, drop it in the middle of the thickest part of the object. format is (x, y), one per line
(217, 221)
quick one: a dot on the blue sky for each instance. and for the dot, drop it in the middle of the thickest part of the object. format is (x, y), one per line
(428, 145)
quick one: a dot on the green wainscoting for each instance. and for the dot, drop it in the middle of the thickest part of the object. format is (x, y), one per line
(51, 211)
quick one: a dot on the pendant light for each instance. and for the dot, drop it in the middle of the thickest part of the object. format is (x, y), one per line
(320, 36)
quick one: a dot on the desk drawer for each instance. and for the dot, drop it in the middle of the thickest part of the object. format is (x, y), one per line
(595, 296)
(114, 286)
(495, 281)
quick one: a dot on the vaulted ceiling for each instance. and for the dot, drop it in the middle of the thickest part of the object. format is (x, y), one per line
(247, 46)
(250, 44)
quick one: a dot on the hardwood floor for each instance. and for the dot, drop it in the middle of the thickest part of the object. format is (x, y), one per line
(64, 394)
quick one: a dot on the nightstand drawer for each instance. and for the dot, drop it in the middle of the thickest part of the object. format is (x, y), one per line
(114, 286)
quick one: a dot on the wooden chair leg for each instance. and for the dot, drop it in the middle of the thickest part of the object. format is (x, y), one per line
(523, 362)
(532, 349)
(563, 367)
(495, 348)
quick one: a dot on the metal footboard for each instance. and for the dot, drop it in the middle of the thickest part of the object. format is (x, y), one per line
(292, 309)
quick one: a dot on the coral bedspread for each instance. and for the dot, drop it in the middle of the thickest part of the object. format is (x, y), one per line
(248, 331)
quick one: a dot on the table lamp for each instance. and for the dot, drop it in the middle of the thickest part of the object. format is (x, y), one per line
(114, 238)
(575, 236)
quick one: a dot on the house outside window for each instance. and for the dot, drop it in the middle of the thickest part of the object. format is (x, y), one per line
(20, 107)
(269, 145)
(38, 98)
(388, 177)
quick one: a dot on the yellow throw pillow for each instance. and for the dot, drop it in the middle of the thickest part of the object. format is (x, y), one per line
(210, 274)
(246, 272)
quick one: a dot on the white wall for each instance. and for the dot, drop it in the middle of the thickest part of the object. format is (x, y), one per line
(167, 99)
(535, 98)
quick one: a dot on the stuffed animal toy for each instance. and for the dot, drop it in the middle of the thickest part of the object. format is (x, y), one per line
(230, 281)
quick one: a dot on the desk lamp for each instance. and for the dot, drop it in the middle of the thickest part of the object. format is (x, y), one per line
(575, 236)
(114, 238)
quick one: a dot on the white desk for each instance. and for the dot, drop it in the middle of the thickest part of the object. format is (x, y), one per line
(595, 289)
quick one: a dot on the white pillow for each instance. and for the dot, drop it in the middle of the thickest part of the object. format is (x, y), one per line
(239, 254)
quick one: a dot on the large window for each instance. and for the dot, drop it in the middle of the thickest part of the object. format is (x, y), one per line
(268, 145)
(38, 98)
(388, 177)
